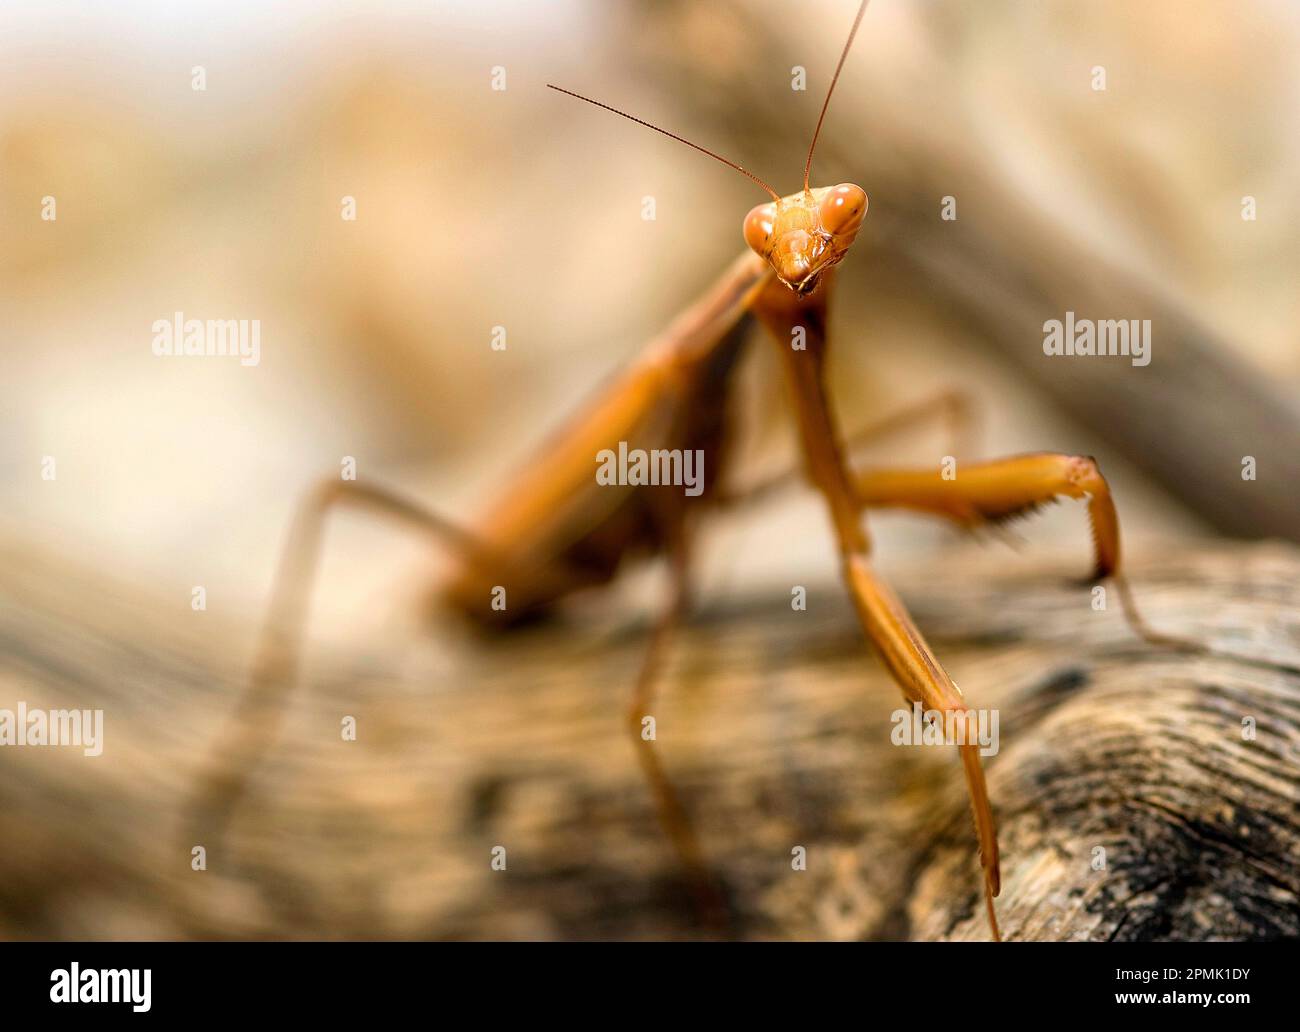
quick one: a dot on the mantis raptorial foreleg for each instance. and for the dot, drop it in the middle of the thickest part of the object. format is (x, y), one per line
(988, 492)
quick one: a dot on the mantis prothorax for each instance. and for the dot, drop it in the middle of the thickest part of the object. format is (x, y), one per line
(555, 530)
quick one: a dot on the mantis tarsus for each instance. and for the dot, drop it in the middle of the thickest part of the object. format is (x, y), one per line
(556, 530)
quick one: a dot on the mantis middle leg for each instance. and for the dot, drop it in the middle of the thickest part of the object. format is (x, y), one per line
(884, 619)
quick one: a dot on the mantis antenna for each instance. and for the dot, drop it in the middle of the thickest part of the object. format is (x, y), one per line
(807, 168)
(679, 139)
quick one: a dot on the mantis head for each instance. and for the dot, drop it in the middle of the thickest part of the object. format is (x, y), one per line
(804, 234)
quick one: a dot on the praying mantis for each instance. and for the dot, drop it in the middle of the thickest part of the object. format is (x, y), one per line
(556, 529)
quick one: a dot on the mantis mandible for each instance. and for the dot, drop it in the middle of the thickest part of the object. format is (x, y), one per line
(556, 530)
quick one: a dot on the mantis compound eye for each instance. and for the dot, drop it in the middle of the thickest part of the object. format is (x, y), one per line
(758, 228)
(843, 209)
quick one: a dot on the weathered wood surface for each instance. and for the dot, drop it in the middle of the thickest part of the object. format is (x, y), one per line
(775, 723)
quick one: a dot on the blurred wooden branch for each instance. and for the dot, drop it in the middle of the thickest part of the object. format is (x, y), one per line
(775, 723)
(1187, 420)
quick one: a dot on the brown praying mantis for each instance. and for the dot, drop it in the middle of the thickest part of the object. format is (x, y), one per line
(556, 530)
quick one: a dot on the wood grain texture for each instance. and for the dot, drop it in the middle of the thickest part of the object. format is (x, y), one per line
(775, 723)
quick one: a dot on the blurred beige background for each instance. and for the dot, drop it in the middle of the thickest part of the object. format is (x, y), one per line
(521, 208)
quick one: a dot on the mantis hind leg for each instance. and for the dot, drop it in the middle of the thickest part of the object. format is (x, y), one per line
(952, 406)
(250, 731)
